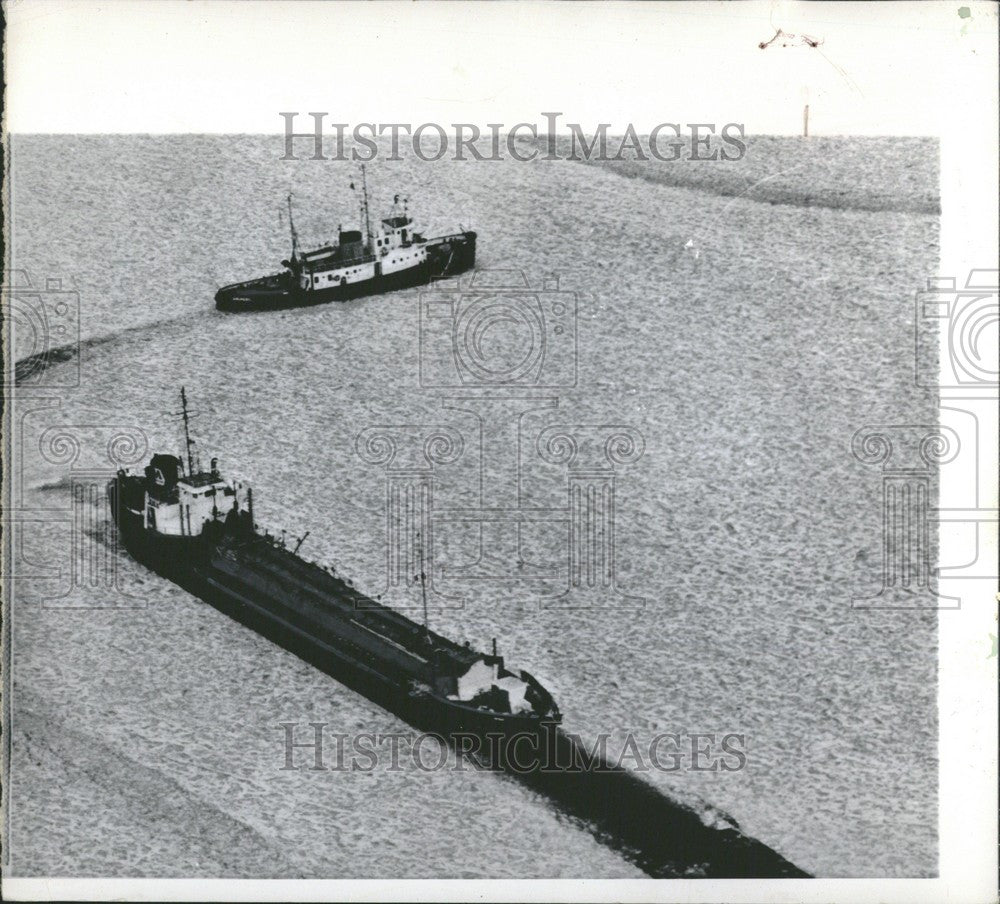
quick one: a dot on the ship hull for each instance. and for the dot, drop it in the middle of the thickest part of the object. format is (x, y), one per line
(448, 256)
(424, 712)
(381, 675)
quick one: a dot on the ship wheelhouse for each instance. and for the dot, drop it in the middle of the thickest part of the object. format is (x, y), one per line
(170, 503)
(359, 256)
(397, 231)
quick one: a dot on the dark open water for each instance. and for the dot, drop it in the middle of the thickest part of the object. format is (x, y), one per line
(145, 738)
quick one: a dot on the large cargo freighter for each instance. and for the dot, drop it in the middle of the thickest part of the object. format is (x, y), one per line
(196, 528)
(393, 256)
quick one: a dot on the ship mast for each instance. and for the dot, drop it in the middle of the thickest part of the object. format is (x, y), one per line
(423, 582)
(187, 434)
(364, 194)
(295, 235)
(423, 594)
(423, 591)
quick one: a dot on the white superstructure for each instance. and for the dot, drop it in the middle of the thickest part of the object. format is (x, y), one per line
(185, 508)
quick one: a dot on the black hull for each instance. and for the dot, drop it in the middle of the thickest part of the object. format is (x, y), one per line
(188, 562)
(446, 257)
(425, 713)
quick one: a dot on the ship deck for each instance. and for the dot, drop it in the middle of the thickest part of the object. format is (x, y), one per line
(320, 595)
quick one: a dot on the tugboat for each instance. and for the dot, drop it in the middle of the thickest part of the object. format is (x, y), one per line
(196, 528)
(394, 256)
